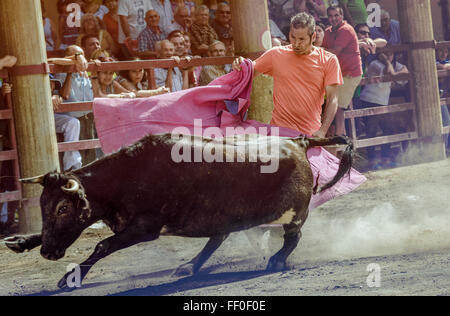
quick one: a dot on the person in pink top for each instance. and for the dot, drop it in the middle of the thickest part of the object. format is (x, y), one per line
(303, 74)
(341, 39)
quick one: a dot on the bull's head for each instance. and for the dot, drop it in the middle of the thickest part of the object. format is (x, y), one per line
(65, 212)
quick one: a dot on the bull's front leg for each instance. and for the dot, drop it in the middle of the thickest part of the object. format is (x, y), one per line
(195, 264)
(21, 243)
(122, 240)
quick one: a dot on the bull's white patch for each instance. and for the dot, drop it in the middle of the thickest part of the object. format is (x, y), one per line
(286, 218)
(235, 145)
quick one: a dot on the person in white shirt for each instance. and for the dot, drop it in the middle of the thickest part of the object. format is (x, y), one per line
(165, 11)
(131, 23)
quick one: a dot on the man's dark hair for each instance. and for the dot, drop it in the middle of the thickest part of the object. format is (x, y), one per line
(304, 20)
(85, 38)
(337, 8)
(359, 26)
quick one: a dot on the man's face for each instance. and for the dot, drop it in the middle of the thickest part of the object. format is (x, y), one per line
(385, 22)
(152, 18)
(442, 54)
(223, 14)
(111, 5)
(217, 50)
(363, 32)
(301, 41)
(167, 50)
(335, 18)
(91, 45)
(179, 45)
(202, 17)
(182, 17)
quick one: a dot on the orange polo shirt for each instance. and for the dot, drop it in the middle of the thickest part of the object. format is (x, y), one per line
(299, 85)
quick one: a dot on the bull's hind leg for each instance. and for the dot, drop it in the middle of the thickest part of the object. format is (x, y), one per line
(195, 264)
(292, 235)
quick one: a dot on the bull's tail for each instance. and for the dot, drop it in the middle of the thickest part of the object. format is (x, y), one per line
(345, 164)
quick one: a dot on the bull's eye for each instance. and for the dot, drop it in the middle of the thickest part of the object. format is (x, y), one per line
(63, 207)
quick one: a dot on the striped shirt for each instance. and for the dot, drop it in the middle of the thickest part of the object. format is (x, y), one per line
(147, 39)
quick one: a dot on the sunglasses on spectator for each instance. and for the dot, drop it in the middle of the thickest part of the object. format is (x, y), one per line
(364, 33)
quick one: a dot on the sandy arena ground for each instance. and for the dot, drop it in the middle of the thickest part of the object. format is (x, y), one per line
(399, 220)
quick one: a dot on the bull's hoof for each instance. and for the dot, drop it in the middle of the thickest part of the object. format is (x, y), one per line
(16, 243)
(184, 270)
(276, 265)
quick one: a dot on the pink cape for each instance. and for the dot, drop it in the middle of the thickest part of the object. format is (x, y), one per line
(221, 104)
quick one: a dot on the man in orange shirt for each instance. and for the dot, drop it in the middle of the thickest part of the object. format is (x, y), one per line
(303, 74)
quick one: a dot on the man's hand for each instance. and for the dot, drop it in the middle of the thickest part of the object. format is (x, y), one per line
(7, 61)
(56, 100)
(237, 63)
(81, 64)
(319, 134)
(6, 88)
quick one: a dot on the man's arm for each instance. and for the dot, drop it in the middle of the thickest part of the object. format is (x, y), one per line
(330, 110)
(237, 65)
(125, 27)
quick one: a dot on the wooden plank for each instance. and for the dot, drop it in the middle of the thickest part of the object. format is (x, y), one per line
(74, 107)
(10, 196)
(7, 155)
(379, 110)
(80, 145)
(385, 140)
(6, 114)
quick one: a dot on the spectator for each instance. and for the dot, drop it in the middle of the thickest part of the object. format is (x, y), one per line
(316, 8)
(190, 5)
(68, 125)
(164, 9)
(131, 24)
(442, 61)
(172, 78)
(183, 20)
(50, 30)
(389, 30)
(201, 33)
(222, 25)
(187, 44)
(355, 11)
(377, 94)
(7, 61)
(104, 85)
(177, 39)
(133, 80)
(320, 33)
(111, 20)
(90, 25)
(93, 7)
(68, 32)
(210, 73)
(77, 87)
(340, 39)
(212, 5)
(89, 44)
(150, 35)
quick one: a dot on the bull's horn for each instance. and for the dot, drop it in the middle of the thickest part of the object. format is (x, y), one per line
(35, 180)
(72, 186)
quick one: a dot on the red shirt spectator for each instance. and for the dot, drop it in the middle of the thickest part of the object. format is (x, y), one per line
(345, 39)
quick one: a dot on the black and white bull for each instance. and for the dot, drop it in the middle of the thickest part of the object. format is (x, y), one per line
(141, 192)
